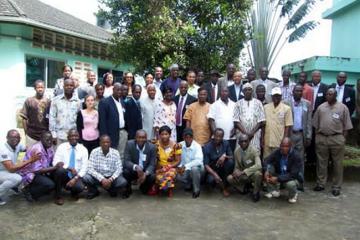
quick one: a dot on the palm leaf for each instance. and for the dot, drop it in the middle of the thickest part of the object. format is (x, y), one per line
(288, 6)
(300, 13)
(301, 31)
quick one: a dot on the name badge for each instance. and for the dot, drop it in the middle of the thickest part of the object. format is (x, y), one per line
(347, 99)
(305, 108)
(336, 116)
(320, 94)
(248, 162)
(144, 159)
(281, 115)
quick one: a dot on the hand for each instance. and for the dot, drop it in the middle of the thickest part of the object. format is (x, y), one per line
(221, 160)
(307, 142)
(267, 176)
(106, 183)
(73, 171)
(71, 183)
(35, 157)
(237, 173)
(273, 180)
(250, 135)
(180, 170)
(141, 178)
(59, 165)
(233, 132)
(54, 140)
(177, 146)
(218, 180)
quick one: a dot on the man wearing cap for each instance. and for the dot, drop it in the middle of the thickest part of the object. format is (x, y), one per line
(173, 81)
(212, 87)
(249, 116)
(278, 122)
(264, 80)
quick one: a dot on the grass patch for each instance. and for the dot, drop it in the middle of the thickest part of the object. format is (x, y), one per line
(352, 156)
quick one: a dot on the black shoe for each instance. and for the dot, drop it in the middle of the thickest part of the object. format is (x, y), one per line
(335, 192)
(255, 197)
(187, 189)
(125, 195)
(92, 195)
(196, 194)
(318, 188)
(113, 194)
(27, 194)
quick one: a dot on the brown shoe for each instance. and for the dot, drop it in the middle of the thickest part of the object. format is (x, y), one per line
(226, 192)
(59, 201)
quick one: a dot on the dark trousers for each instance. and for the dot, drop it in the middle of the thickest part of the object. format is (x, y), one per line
(232, 143)
(131, 175)
(41, 185)
(92, 184)
(179, 133)
(90, 145)
(61, 178)
(223, 172)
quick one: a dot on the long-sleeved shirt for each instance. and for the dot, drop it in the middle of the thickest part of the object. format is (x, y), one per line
(191, 156)
(247, 160)
(104, 166)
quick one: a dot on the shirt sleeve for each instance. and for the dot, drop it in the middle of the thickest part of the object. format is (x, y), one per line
(288, 117)
(206, 155)
(4, 156)
(188, 113)
(212, 111)
(84, 159)
(24, 110)
(58, 157)
(256, 166)
(315, 120)
(198, 159)
(52, 119)
(91, 169)
(347, 119)
(118, 165)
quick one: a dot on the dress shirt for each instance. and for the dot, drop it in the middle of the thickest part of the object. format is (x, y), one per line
(316, 89)
(212, 154)
(142, 157)
(121, 112)
(340, 92)
(297, 108)
(215, 90)
(222, 114)
(103, 166)
(182, 109)
(191, 156)
(237, 90)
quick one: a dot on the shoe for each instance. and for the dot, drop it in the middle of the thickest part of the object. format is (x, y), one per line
(226, 192)
(318, 188)
(196, 194)
(15, 191)
(170, 193)
(153, 191)
(92, 195)
(335, 192)
(59, 201)
(113, 194)
(293, 199)
(255, 197)
(2, 202)
(301, 187)
(75, 197)
(27, 195)
(125, 195)
(272, 194)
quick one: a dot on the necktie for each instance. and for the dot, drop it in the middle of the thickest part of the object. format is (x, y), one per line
(72, 161)
(179, 112)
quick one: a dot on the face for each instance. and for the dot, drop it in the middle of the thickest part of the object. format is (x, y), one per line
(183, 88)
(224, 94)
(73, 138)
(117, 92)
(316, 77)
(251, 75)
(244, 143)
(200, 77)
(137, 92)
(237, 78)
(174, 72)
(69, 86)
(218, 137)
(297, 92)
(151, 92)
(105, 144)
(264, 73)
(66, 72)
(285, 148)
(248, 93)
(341, 79)
(302, 78)
(13, 139)
(214, 78)
(109, 80)
(230, 69)
(40, 89)
(164, 136)
(90, 102)
(124, 90)
(331, 95)
(202, 96)
(149, 79)
(286, 76)
(99, 91)
(168, 95)
(188, 140)
(46, 140)
(260, 92)
(158, 73)
(129, 78)
(141, 138)
(191, 77)
(276, 98)
(91, 77)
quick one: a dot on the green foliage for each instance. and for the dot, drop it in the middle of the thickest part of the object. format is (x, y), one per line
(195, 33)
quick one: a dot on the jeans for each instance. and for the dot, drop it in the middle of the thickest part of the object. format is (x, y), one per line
(7, 181)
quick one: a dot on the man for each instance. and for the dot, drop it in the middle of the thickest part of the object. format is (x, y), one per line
(286, 86)
(105, 169)
(251, 75)
(221, 116)
(148, 105)
(200, 78)
(173, 81)
(9, 153)
(63, 112)
(124, 89)
(331, 122)
(260, 93)
(345, 94)
(182, 101)
(235, 90)
(278, 122)
(112, 119)
(196, 118)
(158, 77)
(282, 168)
(308, 92)
(191, 164)
(218, 161)
(73, 157)
(227, 80)
(99, 90)
(264, 80)
(212, 87)
(35, 114)
(319, 90)
(89, 86)
(133, 112)
(249, 116)
(140, 162)
(247, 171)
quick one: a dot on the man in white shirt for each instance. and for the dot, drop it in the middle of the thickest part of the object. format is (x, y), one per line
(264, 80)
(158, 77)
(74, 159)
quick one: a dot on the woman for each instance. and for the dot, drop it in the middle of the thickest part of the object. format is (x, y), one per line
(165, 112)
(59, 85)
(193, 88)
(99, 90)
(129, 81)
(168, 158)
(108, 81)
(87, 124)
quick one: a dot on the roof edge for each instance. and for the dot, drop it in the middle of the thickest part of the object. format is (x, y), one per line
(338, 8)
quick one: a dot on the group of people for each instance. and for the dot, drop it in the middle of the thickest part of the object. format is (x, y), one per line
(230, 132)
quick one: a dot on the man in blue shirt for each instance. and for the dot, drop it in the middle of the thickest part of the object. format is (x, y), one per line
(173, 81)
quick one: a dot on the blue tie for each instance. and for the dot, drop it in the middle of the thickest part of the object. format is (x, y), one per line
(72, 161)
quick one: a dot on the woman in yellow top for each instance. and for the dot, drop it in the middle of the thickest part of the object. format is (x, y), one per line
(168, 158)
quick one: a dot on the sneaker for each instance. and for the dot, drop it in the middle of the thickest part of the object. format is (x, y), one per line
(274, 194)
(293, 199)
(2, 202)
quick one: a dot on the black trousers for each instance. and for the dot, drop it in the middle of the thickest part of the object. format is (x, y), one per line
(92, 184)
(232, 143)
(41, 185)
(61, 178)
(132, 176)
(223, 172)
(90, 145)
(179, 133)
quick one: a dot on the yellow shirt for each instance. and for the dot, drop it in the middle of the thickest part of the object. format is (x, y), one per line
(166, 155)
(276, 120)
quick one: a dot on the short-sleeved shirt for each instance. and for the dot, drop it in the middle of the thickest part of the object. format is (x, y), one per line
(222, 114)
(36, 113)
(332, 119)
(212, 154)
(8, 153)
(277, 118)
(197, 114)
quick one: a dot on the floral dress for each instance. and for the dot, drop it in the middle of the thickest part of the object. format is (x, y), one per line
(165, 115)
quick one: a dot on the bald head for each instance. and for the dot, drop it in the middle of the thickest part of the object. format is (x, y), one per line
(285, 146)
(183, 87)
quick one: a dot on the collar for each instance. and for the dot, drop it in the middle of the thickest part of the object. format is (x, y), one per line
(73, 97)
(138, 148)
(69, 146)
(212, 85)
(10, 148)
(185, 96)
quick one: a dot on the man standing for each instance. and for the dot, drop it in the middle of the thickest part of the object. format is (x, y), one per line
(196, 118)
(221, 116)
(148, 104)
(308, 92)
(158, 78)
(278, 122)
(345, 94)
(251, 75)
(191, 164)
(247, 169)
(182, 101)
(319, 90)
(264, 80)
(227, 80)
(73, 157)
(331, 122)
(173, 81)
(286, 86)
(35, 114)
(212, 87)
(105, 169)
(235, 90)
(140, 162)
(89, 86)
(63, 113)
(260, 93)
(133, 112)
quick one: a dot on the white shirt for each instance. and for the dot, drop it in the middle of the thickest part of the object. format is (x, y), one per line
(183, 107)
(191, 156)
(7, 153)
(215, 90)
(230, 82)
(237, 90)
(121, 113)
(340, 92)
(157, 84)
(222, 114)
(63, 152)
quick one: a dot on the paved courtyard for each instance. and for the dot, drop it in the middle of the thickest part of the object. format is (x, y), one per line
(315, 216)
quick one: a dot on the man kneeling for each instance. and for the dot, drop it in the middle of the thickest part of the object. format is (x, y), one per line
(283, 167)
(247, 170)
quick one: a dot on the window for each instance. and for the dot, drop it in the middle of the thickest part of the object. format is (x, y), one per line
(45, 69)
(118, 75)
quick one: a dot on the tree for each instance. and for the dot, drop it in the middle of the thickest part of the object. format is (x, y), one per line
(202, 34)
(272, 24)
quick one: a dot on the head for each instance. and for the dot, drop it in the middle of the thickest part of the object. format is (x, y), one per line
(218, 136)
(76, 80)
(214, 76)
(140, 138)
(124, 90)
(128, 79)
(276, 95)
(91, 77)
(67, 70)
(188, 136)
(191, 77)
(13, 138)
(331, 95)
(286, 74)
(298, 92)
(316, 77)
(151, 91)
(202, 95)
(105, 143)
(39, 87)
(341, 78)
(99, 89)
(117, 91)
(285, 146)
(136, 91)
(89, 101)
(167, 93)
(244, 141)
(108, 79)
(264, 72)
(302, 78)
(183, 87)
(224, 94)
(46, 139)
(69, 86)
(165, 133)
(159, 73)
(149, 78)
(174, 71)
(73, 137)
(260, 92)
(237, 76)
(200, 77)
(251, 75)
(230, 69)
(248, 91)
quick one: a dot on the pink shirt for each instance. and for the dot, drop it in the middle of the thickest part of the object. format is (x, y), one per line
(90, 131)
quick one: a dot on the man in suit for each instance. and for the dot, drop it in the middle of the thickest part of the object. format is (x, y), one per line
(345, 94)
(112, 119)
(235, 90)
(319, 89)
(228, 79)
(139, 162)
(133, 112)
(182, 101)
(212, 87)
(264, 80)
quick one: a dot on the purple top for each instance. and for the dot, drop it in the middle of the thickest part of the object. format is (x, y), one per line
(174, 85)
(47, 157)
